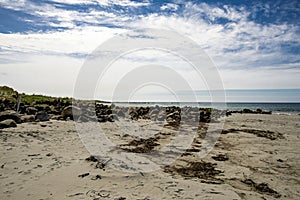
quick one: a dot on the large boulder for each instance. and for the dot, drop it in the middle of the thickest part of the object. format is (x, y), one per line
(71, 112)
(8, 123)
(10, 114)
(42, 116)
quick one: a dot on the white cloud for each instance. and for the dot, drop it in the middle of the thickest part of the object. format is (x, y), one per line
(123, 3)
(80, 40)
(169, 6)
(249, 55)
(74, 1)
(23, 4)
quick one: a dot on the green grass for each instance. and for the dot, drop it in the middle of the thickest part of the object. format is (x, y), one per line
(11, 95)
(41, 99)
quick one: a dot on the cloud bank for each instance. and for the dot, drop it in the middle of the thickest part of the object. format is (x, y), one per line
(254, 45)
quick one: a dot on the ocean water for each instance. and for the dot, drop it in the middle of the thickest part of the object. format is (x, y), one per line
(275, 100)
(276, 108)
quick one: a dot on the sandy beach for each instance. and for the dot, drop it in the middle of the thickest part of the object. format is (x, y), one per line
(255, 157)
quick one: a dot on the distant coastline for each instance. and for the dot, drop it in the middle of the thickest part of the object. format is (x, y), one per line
(276, 107)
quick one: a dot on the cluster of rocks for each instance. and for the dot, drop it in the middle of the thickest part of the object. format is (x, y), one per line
(173, 115)
(249, 111)
(104, 113)
(84, 111)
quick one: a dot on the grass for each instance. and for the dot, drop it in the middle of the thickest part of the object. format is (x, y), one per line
(11, 95)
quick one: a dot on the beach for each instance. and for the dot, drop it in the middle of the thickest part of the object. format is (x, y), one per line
(255, 157)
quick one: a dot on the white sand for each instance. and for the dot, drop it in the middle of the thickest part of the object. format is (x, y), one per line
(44, 163)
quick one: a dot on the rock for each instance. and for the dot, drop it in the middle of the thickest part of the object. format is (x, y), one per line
(92, 159)
(96, 177)
(220, 157)
(266, 112)
(102, 118)
(42, 116)
(258, 110)
(246, 110)
(43, 125)
(83, 175)
(8, 123)
(10, 114)
(71, 112)
(27, 118)
(112, 118)
(31, 111)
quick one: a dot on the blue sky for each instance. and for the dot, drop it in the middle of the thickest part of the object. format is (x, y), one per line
(43, 44)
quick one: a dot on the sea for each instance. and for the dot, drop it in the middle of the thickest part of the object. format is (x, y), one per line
(279, 101)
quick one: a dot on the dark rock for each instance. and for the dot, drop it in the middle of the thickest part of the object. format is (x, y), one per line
(100, 165)
(102, 118)
(111, 118)
(8, 123)
(10, 114)
(120, 198)
(43, 125)
(42, 116)
(259, 110)
(96, 177)
(31, 111)
(220, 157)
(246, 110)
(83, 175)
(92, 159)
(266, 112)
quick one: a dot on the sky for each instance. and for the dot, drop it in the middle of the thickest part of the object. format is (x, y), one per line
(45, 43)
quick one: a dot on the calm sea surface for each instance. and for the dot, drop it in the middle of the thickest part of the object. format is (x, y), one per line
(265, 99)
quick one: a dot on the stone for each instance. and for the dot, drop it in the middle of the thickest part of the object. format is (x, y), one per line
(42, 116)
(31, 111)
(10, 114)
(71, 112)
(8, 123)
(27, 118)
